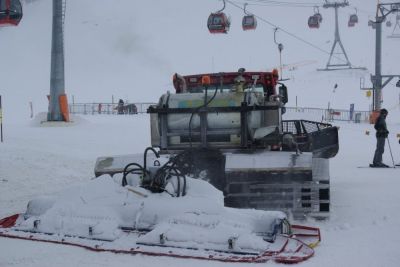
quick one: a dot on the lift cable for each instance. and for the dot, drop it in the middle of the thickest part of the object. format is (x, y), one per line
(282, 3)
(266, 5)
(294, 4)
(287, 32)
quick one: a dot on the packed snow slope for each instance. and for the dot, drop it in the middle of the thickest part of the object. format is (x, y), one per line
(37, 160)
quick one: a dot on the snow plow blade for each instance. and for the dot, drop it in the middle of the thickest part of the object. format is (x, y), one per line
(293, 248)
(102, 215)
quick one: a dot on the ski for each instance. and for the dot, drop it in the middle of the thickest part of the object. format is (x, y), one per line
(371, 167)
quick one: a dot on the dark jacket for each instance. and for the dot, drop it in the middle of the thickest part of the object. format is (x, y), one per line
(380, 127)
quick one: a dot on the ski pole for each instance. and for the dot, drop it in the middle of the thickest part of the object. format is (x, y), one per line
(390, 149)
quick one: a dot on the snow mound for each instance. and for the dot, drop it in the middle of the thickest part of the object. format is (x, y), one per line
(40, 120)
(101, 209)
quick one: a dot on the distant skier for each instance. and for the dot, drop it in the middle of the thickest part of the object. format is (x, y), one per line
(381, 134)
(120, 107)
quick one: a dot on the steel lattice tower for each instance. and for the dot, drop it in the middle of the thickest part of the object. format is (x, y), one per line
(337, 41)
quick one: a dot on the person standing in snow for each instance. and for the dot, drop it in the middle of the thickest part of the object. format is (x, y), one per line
(381, 134)
(120, 107)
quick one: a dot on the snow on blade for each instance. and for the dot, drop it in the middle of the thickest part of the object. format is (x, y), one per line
(101, 215)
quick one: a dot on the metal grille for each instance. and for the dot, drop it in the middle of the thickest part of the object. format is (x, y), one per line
(310, 127)
(299, 127)
(300, 200)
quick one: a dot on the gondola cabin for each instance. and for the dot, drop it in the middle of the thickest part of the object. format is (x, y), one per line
(313, 22)
(249, 22)
(218, 23)
(10, 12)
(353, 19)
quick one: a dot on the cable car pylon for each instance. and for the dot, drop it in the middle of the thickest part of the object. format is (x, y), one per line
(58, 104)
(396, 28)
(338, 42)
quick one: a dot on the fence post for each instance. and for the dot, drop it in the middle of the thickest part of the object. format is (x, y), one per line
(1, 121)
(31, 108)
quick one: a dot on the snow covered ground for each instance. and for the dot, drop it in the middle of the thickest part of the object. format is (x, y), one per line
(130, 49)
(40, 160)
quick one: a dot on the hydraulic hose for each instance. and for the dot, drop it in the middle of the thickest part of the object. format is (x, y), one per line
(126, 172)
(145, 156)
(163, 175)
